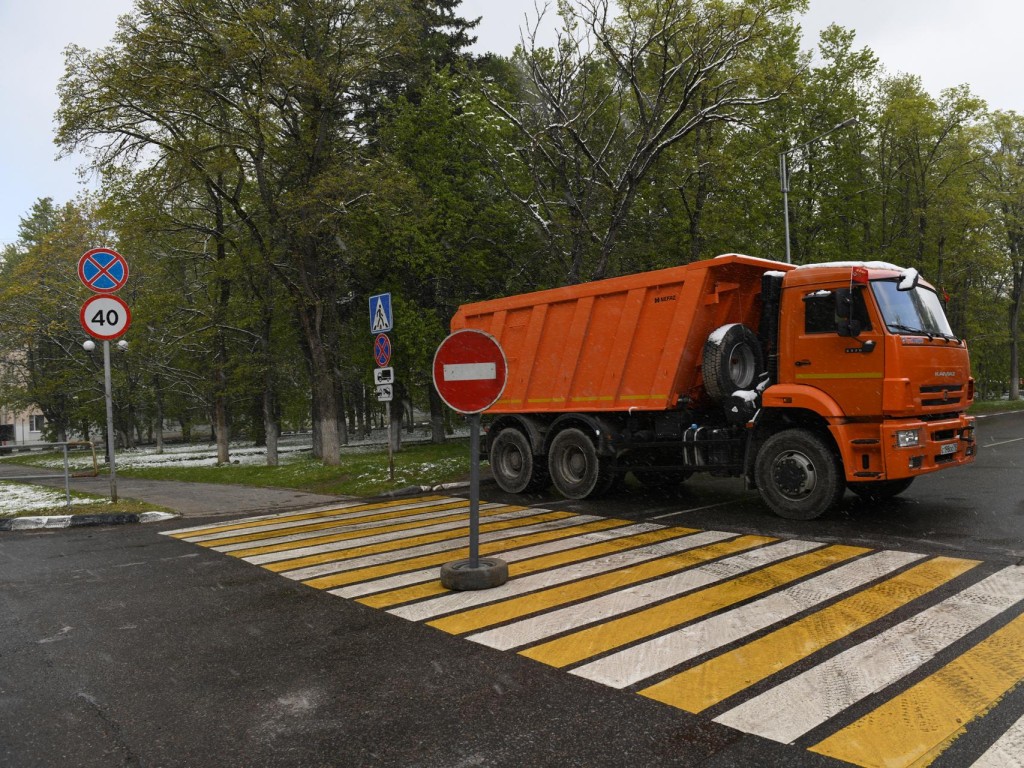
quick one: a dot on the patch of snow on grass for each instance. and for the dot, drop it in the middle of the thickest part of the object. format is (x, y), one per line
(18, 497)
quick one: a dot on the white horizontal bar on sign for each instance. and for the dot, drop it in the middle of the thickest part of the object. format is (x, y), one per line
(470, 372)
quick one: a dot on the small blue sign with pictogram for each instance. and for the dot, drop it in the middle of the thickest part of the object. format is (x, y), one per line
(380, 313)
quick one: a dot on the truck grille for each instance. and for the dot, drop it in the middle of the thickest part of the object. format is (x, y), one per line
(948, 394)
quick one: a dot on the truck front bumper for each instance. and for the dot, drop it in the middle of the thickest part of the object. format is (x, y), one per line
(914, 447)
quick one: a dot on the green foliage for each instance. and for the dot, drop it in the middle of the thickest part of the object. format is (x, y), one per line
(271, 164)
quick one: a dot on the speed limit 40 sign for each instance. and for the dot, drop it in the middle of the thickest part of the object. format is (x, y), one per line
(105, 317)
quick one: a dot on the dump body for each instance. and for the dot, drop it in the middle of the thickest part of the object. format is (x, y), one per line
(628, 343)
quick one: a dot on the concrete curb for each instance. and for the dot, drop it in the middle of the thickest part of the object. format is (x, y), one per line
(79, 521)
(412, 490)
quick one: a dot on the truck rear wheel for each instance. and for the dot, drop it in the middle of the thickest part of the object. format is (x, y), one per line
(513, 464)
(732, 361)
(797, 475)
(577, 472)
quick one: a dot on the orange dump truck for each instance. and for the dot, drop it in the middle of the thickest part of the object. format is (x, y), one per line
(805, 381)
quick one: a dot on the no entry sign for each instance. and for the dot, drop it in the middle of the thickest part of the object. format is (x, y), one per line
(103, 270)
(105, 317)
(470, 371)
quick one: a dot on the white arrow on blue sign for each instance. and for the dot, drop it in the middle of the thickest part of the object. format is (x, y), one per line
(380, 313)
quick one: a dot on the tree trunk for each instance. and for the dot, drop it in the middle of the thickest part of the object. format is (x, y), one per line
(271, 427)
(220, 426)
(437, 435)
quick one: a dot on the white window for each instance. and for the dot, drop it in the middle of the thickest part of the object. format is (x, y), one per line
(36, 422)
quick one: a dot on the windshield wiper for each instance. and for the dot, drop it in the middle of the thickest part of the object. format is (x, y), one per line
(907, 329)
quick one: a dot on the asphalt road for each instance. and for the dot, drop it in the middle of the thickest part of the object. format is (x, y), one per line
(974, 511)
(123, 647)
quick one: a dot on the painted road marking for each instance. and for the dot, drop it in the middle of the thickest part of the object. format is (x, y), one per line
(779, 638)
(1007, 751)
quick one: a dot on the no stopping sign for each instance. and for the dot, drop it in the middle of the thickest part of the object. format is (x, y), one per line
(105, 317)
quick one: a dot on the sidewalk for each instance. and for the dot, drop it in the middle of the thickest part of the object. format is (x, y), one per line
(187, 499)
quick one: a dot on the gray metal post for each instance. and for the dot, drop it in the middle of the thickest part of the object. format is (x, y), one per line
(108, 391)
(67, 476)
(784, 176)
(474, 491)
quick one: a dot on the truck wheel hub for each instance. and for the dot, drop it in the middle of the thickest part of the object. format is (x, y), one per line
(794, 474)
(513, 461)
(576, 463)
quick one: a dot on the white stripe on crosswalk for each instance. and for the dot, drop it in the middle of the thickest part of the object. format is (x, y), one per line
(460, 601)
(792, 708)
(666, 651)
(621, 601)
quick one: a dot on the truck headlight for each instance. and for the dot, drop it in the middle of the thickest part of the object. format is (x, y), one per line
(908, 438)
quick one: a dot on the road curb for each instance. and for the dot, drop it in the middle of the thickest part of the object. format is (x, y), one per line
(412, 490)
(80, 521)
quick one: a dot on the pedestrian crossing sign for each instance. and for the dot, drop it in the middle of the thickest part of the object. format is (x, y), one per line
(380, 313)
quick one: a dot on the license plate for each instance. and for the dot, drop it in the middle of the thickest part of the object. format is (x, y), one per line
(947, 449)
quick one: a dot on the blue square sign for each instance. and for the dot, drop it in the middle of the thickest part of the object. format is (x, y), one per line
(380, 313)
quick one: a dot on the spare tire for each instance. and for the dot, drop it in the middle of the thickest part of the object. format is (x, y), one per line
(732, 361)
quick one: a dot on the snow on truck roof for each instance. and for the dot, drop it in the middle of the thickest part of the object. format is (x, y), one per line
(908, 275)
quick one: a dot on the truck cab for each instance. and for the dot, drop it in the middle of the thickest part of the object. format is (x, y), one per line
(867, 349)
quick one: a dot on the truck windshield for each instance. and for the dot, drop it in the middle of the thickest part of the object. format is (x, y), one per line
(917, 311)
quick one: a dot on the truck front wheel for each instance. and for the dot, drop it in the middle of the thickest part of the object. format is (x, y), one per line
(797, 475)
(577, 472)
(513, 464)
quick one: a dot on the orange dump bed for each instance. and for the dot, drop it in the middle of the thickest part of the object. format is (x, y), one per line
(612, 345)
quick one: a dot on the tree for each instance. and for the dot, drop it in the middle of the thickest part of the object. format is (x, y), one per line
(40, 296)
(1004, 172)
(598, 113)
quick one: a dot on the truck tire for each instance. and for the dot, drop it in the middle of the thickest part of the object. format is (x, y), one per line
(576, 470)
(732, 361)
(798, 475)
(880, 490)
(515, 468)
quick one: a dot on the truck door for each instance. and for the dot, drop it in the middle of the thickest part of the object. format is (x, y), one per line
(849, 369)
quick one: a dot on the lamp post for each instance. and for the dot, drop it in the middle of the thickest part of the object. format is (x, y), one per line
(784, 172)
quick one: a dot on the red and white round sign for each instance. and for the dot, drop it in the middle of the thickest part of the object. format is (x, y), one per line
(105, 317)
(470, 371)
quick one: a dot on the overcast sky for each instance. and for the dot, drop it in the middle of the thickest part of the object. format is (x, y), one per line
(946, 42)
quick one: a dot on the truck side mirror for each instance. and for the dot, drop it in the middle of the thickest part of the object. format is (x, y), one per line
(846, 324)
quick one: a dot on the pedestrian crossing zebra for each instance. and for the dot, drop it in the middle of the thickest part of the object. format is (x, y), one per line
(871, 656)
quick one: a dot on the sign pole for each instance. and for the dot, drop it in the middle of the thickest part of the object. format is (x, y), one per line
(391, 441)
(108, 392)
(474, 491)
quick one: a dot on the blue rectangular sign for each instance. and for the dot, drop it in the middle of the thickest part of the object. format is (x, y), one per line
(380, 313)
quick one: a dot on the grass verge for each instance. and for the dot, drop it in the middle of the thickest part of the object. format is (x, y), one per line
(358, 474)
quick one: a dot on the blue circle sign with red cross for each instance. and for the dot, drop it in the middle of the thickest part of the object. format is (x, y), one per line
(103, 270)
(382, 350)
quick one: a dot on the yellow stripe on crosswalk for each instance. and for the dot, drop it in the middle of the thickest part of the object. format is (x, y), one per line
(589, 642)
(372, 572)
(383, 517)
(485, 616)
(369, 573)
(918, 725)
(276, 519)
(412, 541)
(533, 565)
(374, 530)
(707, 684)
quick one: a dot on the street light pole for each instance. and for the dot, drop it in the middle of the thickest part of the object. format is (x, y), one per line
(784, 172)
